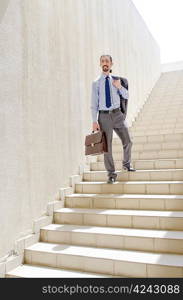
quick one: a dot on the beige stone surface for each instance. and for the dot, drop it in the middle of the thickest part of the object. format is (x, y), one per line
(28, 271)
(101, 229)
(49, 55)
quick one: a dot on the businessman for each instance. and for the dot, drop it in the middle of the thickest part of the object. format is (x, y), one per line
(107, 115)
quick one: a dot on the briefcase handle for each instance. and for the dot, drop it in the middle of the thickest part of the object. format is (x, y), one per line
(94, 130)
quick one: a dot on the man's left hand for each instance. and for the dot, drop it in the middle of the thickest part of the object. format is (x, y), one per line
(117, 83)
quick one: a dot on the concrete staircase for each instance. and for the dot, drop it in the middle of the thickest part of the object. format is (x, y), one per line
(134, 227)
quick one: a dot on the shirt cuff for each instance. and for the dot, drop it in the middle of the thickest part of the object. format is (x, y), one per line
(121, 89)
(124, 92)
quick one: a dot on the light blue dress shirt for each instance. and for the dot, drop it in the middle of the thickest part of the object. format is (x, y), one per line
(98, 101)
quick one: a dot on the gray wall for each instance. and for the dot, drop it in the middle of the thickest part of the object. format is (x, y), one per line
(49, 55)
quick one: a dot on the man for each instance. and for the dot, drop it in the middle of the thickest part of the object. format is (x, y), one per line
(107, 115)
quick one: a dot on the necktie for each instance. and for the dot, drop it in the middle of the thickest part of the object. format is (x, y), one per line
(107, 92)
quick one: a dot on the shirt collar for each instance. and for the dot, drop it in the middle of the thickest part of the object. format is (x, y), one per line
(104, 76)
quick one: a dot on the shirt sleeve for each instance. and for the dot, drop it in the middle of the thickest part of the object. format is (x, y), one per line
(94, 102)
(124, 92)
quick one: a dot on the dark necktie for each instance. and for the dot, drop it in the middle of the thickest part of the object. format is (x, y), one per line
(107, 92)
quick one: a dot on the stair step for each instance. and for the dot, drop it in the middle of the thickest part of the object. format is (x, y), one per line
(31, 271)
(164, 110)
(151, 126)
(148, 117)
(142, 219)
(157, 131)
(118, 238)
(161, 174)
(143, 164)
(150, 146)
(106, 261)
(158, 123)
(125, 201)
(174, 121)
(147, 154)
(145, 138)
(132, 187)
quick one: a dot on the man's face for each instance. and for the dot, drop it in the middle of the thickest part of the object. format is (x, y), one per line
(105, 63)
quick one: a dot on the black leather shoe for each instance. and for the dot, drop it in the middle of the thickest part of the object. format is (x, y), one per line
(129, 168)
(111, 180)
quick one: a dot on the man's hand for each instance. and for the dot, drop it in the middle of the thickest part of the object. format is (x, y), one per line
(117, 83)
(96, 126)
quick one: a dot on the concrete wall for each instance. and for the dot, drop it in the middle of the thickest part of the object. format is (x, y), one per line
(3, 7)
(49, 55)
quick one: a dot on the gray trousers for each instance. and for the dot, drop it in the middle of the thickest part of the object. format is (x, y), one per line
(108, 122)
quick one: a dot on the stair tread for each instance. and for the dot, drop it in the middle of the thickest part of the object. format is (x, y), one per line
(166, 143)
(137, 170)
(167, 137)
(138, 134)
(147, 159)
(115, 231)
(133, 182)
(173, 214)
(111, 254)
(146, 135)
(34, 271)
(157, 132)
(153, 159)
(148, 150)
(139, 196)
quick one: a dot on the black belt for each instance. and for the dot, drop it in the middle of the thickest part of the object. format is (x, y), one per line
(110, 111)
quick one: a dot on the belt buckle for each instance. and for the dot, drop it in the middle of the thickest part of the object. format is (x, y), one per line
(110, 111)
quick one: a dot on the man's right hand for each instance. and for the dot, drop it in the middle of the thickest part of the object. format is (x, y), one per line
(96, 126)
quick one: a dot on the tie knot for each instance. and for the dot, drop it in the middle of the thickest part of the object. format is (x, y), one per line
(107, 77)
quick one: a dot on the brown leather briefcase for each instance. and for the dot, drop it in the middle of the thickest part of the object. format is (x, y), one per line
(96, 143)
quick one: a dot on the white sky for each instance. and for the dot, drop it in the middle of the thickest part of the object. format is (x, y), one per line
(164, 18)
